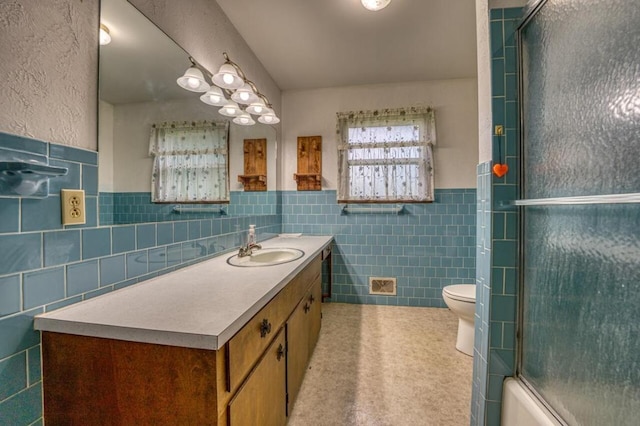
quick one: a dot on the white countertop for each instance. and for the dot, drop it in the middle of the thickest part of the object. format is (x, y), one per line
(200, 306)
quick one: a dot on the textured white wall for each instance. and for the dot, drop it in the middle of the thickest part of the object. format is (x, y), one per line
(484, 81)
(132, 123)
(48, 70)
(313, 112)
(501, 4)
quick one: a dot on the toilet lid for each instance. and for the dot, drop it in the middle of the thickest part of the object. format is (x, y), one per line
(461, 292)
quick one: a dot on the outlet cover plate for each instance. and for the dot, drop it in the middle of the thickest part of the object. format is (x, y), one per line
(73, 207)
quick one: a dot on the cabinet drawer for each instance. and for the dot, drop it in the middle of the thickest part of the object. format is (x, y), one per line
(249, 343)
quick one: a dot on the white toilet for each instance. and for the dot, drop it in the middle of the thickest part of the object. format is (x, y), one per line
(461, 299)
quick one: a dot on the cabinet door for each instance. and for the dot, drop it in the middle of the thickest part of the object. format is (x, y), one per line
(262, 398)
(315, 314)
(297, 349)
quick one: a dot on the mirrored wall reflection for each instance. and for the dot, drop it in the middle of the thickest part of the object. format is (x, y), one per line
(138, 72)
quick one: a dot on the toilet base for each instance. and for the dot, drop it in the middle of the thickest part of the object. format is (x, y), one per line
(464, 342)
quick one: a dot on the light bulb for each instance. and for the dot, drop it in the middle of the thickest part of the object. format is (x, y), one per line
(375, 5)
(231, 110)
(268, 118)
(105, 37)
(257, 109)
(244, 120)
(244, 96)
(193, 82)
(227, 78)
(215, 99)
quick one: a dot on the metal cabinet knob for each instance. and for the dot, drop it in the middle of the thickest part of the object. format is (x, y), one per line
(265, 328)
(280, 352)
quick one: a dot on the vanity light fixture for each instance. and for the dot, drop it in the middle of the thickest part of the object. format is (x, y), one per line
(269, 118)
(227, 76)
(257, 108)
(244, 95)
(375, 5)
(230, 109)
(244, 119)
(231, 90)
(105, 35)
(214, 96)
(193, 80)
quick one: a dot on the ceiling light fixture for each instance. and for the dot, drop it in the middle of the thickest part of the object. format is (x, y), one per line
(238, 96)
(375, 5)
(105, 35)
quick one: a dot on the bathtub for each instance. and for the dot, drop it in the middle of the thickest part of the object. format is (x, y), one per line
(521, 408)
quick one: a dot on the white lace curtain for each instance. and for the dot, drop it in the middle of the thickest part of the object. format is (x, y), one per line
(190, 162)
(386, 155)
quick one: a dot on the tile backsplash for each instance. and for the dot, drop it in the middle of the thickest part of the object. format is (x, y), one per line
(426, 248)
(136, 207)
(45, 265)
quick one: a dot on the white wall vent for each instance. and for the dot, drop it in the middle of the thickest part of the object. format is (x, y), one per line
(382, 286)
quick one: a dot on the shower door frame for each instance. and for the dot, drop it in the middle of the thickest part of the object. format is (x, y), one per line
(530, 14)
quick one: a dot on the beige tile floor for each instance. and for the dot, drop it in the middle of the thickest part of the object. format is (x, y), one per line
(385, 365)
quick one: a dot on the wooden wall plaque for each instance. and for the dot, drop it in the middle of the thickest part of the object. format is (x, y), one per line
(309, 176)
(255, 165)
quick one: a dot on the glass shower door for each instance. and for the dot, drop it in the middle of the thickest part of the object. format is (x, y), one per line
(580, 284)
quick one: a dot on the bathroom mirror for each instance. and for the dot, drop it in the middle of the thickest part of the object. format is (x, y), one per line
(137, 80)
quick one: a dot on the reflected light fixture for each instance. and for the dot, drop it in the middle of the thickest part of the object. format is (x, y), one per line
(214, 96)
(245, 95)
(105, 35)
(244, 119)
(257, 108)
(230, 109)
(375, 5)
(231, 90)
(193, 80)
(269, 117)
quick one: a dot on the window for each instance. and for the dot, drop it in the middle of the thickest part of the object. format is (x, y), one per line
(386, 156)
(190, 162)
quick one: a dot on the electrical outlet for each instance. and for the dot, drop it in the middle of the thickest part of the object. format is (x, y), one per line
(73, 206)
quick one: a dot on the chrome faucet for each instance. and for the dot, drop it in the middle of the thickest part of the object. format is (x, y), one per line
(248, 249)
(251, 243)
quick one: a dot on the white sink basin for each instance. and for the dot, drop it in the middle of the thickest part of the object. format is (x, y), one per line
(266, 257)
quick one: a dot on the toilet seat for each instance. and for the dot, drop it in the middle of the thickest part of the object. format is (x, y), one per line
(461, 292)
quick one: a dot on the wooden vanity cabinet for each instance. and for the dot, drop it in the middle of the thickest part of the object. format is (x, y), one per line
(252, 380)
(303, 328)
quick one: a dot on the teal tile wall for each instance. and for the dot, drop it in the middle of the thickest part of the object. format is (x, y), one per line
(426, 248)
(497, 255)
(483, 294)
(45, 266)
(136, 207)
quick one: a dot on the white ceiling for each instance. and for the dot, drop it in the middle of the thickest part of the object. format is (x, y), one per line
(308, 44)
